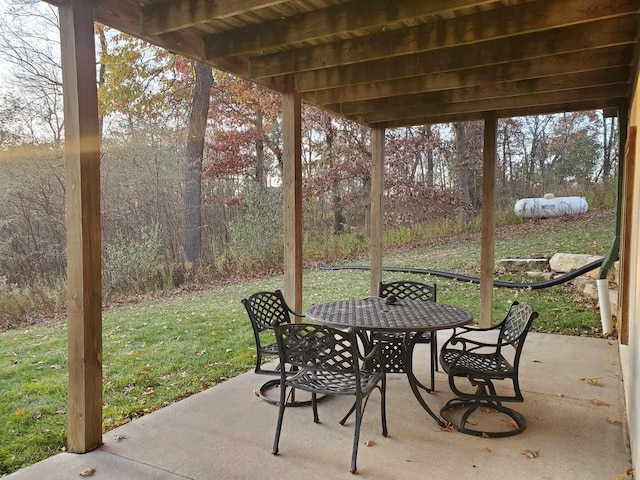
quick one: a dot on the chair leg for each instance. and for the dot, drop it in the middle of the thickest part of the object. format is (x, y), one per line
(432, 364)
(383, 405)
(281, 407)
(356, 435)
(434, 349)
(314, 404)
(346, 417)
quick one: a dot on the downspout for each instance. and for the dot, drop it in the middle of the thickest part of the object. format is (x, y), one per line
(612, 256)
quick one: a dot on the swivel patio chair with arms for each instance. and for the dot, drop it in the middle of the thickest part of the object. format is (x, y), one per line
(393, 344)
(265, 308)
(327, 361)
(483, 363)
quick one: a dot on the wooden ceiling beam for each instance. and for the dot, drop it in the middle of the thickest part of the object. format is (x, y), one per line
(534, 86)
(610, 32)
(515, 20)
(370, 16)
(172, 15)
(505, 103)
(116, 13)
(573, 62)
(605, 103)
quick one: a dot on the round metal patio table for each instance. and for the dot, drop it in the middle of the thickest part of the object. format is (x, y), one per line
(410, 317)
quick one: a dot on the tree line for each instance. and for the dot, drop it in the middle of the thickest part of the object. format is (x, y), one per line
(192, 164)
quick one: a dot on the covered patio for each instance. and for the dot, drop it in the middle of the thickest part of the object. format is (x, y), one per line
(383, 64)
(576, 429)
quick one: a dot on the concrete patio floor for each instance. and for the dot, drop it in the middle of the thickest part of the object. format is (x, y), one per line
(577, 427)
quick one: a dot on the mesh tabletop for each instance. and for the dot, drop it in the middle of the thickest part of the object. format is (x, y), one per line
(404, 315)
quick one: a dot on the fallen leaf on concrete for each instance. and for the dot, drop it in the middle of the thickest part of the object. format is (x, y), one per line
(119, 437)
(87, 472)
(448, 427)
(561, 395)
(531, 453)
(591, 381)
(256, 392)
(487, 410)
(599, 403)
(484, 435)
(513, 424)
(369, 443)
(625, 475)
(614, 421)
(471, 421)
(535, 360)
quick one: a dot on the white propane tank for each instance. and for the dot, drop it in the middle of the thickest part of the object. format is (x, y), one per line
(550, 206)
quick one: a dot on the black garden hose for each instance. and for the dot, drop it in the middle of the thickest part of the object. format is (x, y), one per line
(466, 278)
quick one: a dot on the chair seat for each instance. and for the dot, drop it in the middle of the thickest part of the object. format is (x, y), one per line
(270, 349)
(333, 383)
(469, 363)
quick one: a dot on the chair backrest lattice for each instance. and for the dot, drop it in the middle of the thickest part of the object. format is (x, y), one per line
(516, 324)
(264, 308)
(317, 347)
(408, 289)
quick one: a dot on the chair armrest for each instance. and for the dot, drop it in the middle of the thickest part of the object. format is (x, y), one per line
(373, 353)
(468, 343)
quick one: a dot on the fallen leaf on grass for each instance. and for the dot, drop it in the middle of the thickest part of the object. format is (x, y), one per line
(591, 381)
(37, 415)
(369, 443)
(531, 453)
(599, 403)
(87, 472)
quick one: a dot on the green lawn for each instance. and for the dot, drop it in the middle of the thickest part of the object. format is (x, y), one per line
(157, 352)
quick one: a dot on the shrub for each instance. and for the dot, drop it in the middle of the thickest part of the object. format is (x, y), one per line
(257, 235)
(132, 265)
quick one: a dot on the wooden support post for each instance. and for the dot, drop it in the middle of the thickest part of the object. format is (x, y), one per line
(487, 259)
(627, 145)
(84, 267)
(292, 184)
(377, 189)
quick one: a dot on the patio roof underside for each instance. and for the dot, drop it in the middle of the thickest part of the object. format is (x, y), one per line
(391, 63)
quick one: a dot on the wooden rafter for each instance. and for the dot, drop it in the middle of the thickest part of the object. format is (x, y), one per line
(484, 26)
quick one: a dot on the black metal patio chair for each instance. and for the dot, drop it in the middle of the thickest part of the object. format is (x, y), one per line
(265, 308)
(327, 361)
(482, 363)
(393, 344)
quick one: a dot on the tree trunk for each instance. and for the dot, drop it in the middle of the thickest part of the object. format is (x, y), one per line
(195, 149)
(260, 176)
(464, 176)
(430, 178)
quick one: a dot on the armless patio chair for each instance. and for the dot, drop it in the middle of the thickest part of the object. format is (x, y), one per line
(327, 361)
(393, 344)
(482, 363)
(265, 308)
